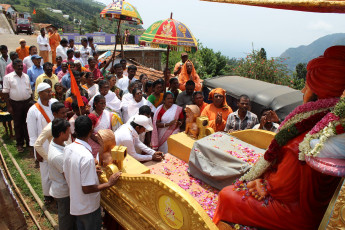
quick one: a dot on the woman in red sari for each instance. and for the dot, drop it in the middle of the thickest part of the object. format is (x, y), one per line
(281, 192)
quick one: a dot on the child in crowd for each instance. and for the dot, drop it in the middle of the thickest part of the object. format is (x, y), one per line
(5, 117)
(59, 92)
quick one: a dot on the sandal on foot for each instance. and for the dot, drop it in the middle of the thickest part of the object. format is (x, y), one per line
(20, 149)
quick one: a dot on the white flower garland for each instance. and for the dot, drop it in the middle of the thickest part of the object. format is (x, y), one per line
(323, 135)
(257, 170)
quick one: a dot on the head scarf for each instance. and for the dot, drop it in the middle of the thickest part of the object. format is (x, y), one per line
(326, 74)
(218, 91)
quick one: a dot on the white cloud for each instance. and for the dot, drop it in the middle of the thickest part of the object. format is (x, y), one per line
(320, 25)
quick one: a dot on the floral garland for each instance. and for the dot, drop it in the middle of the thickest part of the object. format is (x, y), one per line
(332, 124)
(301, 119)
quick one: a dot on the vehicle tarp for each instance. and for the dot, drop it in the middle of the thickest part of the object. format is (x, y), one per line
(281, 99)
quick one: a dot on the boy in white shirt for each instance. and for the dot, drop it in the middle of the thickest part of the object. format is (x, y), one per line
(59, 188)
(80, 173)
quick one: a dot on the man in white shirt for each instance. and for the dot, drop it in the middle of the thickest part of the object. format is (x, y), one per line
(92, 46)
(124, 82)
(80, 172)
(28, 60)
(85, 51)
(59, 112)
(268, 120)
(128, 135)
(60, 129)
(43, 45)
(18, 94)
(4, 61)
(38, 117)
(61, 50)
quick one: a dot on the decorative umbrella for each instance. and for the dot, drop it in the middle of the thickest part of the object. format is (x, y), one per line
(170, 34)
(123, 11)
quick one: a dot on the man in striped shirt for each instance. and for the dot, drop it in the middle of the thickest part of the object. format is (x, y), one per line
(242, 118)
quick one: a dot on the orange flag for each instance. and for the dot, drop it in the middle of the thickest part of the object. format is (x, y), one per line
(75, 88)
(34, 12)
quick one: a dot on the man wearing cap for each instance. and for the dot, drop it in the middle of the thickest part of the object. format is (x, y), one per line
(27, 60)
(48, 74)
(18, 94)
(178, 66)
(39, 115)
(43, 45)
(23, 49)
(35, 70)
(128, 135)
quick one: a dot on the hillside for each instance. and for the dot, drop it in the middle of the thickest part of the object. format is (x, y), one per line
(304, 54)
(86, 11)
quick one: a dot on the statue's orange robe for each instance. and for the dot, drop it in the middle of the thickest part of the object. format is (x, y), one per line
(300, 196)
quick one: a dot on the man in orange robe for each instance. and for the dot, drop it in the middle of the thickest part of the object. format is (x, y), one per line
(23, 49)
(218, 111)
(188, 73)
(298, 195)
(54, 42)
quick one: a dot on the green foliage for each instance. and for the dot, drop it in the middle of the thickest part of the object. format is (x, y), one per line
(301, 71)
(262, 53)
(207, 63)
(256, 67)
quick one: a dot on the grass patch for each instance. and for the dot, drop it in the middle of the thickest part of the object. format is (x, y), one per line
(27, 164)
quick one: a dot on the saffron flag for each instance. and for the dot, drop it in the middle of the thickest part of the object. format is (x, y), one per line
(75, 88)
(34, 12)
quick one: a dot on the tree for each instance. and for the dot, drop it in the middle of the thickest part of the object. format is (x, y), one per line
(256, 67)
(301, 71)
(94, 25)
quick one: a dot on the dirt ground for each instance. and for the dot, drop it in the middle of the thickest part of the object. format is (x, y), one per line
(12, 40)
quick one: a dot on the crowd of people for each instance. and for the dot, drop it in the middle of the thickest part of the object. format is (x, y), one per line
(62, 135)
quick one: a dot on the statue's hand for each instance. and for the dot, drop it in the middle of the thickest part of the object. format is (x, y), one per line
(257, 189)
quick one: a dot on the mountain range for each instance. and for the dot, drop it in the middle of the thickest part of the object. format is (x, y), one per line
(304, 53)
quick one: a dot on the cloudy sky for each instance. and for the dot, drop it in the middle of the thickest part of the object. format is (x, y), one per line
(235, 29)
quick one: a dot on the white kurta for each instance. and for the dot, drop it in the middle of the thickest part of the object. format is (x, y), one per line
(131, 108)
(36, 123)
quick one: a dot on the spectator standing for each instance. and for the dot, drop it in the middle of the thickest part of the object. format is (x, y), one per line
(57, 66)
(70, 55)
(80, 173)
(63, 71)
(123, 63)
(61, 50)
(92, 46)
(39, 116)
(242, 118)
(85, 51)
(48, 74)
(78, 58)
(92, 88)
(118, 72)
(9, 67)
(82, 90)
(94, 70)
(60, 130)
(185, 98)
(71, 45)
(156, 97)
(178, 66)
(35, 70)
(18, 94)
(124, 82)
(54, 41)
(5, 60)
(43, 45)
(22, 50)
(28, 61)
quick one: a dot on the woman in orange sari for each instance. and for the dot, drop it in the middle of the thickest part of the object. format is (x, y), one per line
(280, 191)
(188, 73)
(218, 111)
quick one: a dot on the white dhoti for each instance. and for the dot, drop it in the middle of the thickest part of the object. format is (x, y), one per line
(44, 169)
